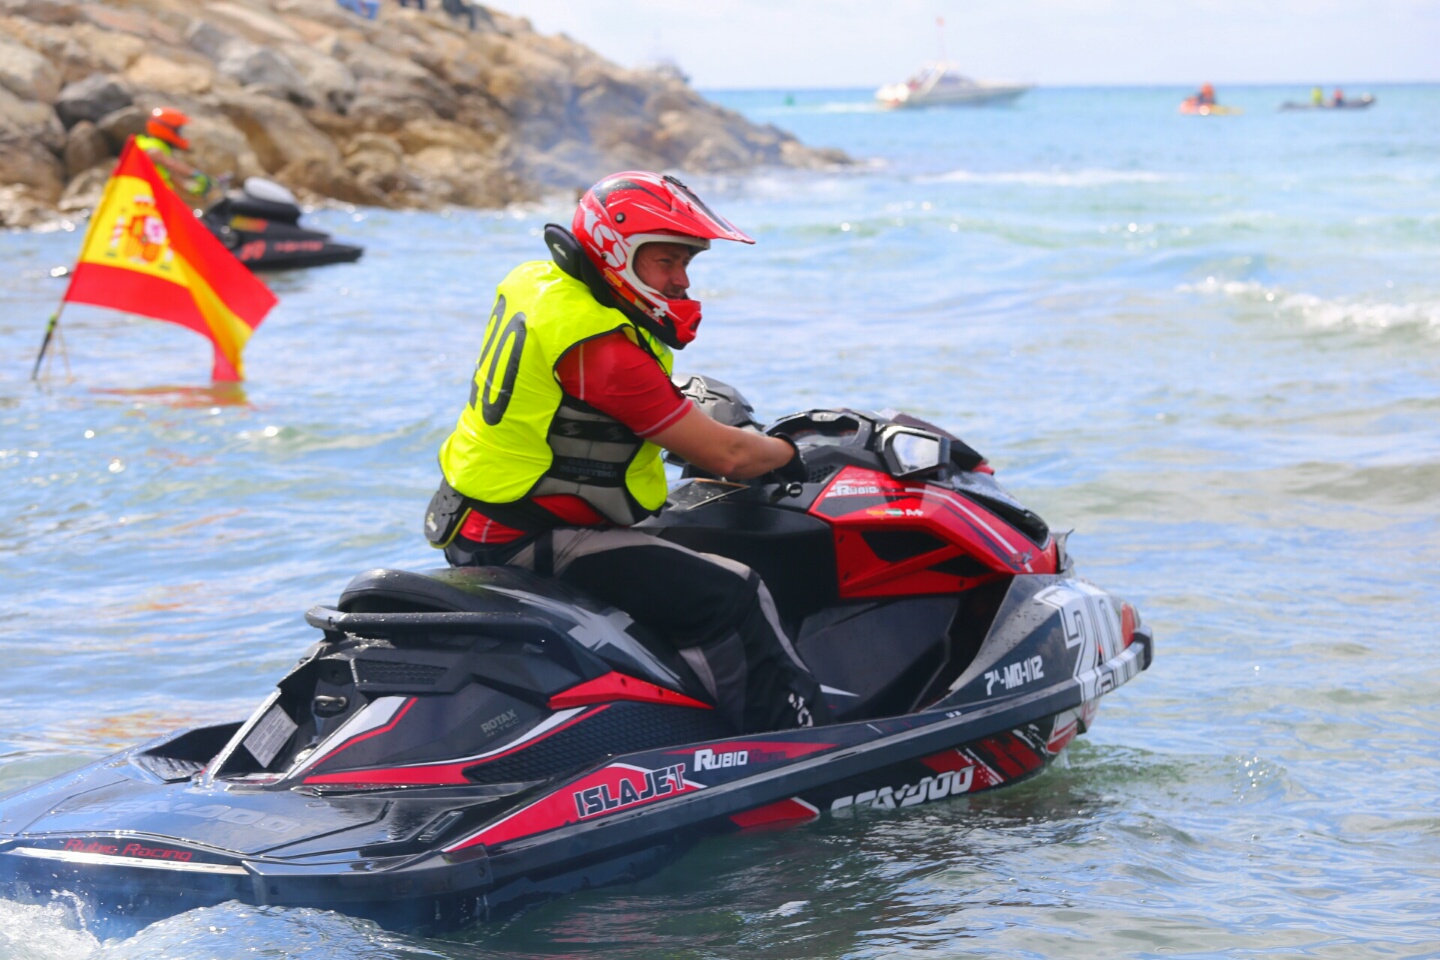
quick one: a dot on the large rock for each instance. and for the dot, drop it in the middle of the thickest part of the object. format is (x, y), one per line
(373, 63)
(30, 124)
(331, 83)
(412, 109)
(27, 74)
(265, 71)
(220, 149)
(422, 132)
(378, 164)
(19, 206)
(167, 76)
(260, 69)
(70, 58)
(278, 133)
(120, 125)
(458, 177)
(30, 169)
(36, 169)
(92, 98)
(258, 26)
(327, 13)
(43, 11)
(83, 192)
(319, 178)
(137, 23)
(85, 146)
(103, 51)
(208, 39)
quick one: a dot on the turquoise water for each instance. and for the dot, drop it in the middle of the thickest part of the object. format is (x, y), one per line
(1209, 345)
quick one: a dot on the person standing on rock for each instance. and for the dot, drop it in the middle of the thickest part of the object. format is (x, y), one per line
(558, 452)
(162, 137)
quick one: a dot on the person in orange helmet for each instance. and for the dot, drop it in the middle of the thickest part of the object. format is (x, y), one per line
(1207, 95)
(162, 137)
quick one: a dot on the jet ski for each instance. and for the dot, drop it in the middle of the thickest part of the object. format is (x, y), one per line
(1359, 103)
(1192, 107)
(260, 225)
(459, 743)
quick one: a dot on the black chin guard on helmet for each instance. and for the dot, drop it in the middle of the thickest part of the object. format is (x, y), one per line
(569, 256)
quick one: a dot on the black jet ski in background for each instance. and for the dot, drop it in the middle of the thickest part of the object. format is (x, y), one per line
(459, 742)
(1359, 103)
(260, 225)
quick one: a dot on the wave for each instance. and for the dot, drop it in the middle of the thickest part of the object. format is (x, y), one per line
(842, 106)
(1328, 313)
(1051, 178)
(63, 929)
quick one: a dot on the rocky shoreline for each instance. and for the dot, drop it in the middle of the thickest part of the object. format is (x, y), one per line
(411, 109)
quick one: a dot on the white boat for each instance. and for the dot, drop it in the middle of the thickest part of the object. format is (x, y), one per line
(941, 84)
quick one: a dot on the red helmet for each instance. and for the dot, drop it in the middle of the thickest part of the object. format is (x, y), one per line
(165, 123)
(627, 210)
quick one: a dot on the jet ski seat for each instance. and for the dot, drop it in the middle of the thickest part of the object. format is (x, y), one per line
(518, 600)
(435, 591)
(247, 206)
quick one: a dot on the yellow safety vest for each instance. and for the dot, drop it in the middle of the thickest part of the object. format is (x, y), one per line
(147, 143)
(521, 435)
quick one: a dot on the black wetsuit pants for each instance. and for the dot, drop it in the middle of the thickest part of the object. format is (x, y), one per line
(716, 611)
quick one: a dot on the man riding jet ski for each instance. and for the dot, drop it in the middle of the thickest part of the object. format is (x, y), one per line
(164, 134)
(459, 743)
(559, 451)
(260, 223)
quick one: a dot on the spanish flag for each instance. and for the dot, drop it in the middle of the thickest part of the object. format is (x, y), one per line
(146, 252)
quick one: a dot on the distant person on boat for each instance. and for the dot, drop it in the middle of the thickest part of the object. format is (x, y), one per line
(1199, 102)
(162, 137)
(1317, 97)
(558, 451)
(1339, 99)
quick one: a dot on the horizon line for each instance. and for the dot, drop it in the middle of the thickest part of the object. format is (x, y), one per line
(1077, 85)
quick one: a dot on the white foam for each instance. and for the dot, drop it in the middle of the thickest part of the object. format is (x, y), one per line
(43, 932)
(1328, 314)
(1325, 314)
(1231, 288)
(1052, 178)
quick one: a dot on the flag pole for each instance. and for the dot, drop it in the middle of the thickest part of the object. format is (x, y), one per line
(54, 321)
(45, 344)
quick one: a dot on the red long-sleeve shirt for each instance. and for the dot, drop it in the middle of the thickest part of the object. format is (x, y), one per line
(617, 377)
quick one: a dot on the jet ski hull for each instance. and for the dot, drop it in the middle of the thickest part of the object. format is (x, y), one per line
(1362, 103)
(436, 857)
(266, 235)
(133, 875)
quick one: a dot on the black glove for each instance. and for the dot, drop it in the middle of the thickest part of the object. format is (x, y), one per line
(794, 469)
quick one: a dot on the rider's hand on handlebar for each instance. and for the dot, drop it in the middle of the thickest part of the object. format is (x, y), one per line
(793, 470)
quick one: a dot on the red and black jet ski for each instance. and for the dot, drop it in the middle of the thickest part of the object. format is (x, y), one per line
(462, 741)
(260, 224)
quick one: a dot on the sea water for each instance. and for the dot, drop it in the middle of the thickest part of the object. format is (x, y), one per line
(1209, 346)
